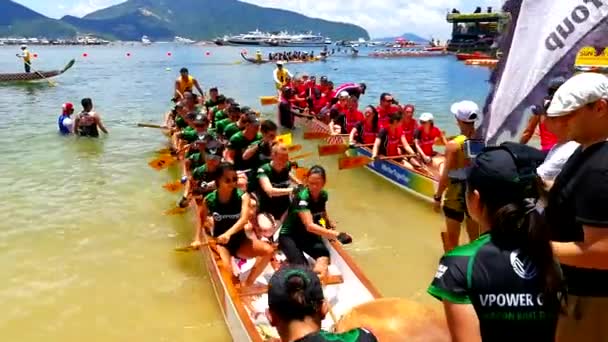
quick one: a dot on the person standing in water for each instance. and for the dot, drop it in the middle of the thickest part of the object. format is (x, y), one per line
(65, 123)
(88, 121)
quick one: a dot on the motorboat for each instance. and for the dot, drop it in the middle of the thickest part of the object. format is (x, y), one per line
(145, 40)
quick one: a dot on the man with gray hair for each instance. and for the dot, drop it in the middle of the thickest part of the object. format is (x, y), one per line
(577, 208)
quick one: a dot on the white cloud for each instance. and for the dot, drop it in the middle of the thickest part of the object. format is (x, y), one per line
(83, 8)
(384, 17)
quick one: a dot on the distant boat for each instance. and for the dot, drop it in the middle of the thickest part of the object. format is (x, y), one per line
(299, 40)
(253, 38)
(145, 40)
(183, 40)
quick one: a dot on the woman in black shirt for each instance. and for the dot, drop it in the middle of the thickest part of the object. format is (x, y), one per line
(504, 286)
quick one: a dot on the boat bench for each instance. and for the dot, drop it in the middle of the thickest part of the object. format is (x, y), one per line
(260, 290)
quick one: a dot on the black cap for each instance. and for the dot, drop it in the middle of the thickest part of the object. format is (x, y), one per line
(200, 120)
(252, 119)
(183, 70)
(280, 289)
(191, 116)
(323, 78)
(507, 171)
(214, 149)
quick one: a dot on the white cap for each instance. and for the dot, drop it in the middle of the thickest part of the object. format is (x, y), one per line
(466, 111)
(578, 91)
(280, 62)
(425, 117)
(344, 94)
(24, 46)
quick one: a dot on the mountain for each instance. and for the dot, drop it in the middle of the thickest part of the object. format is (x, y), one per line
(19, 21)
(207, 19)
(127, 27)
(407, 36)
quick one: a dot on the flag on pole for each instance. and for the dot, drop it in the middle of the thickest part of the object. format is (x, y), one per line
(541, 44)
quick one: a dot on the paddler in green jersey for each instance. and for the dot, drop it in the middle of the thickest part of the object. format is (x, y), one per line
(302, 231)
(220, 106)
(213, 99)
(261, 151)
(241, 140)
(274, 189)
(234, 114)
(203, 176)
(229, 208)
(234, 127)
(196, 130)
(297, 306)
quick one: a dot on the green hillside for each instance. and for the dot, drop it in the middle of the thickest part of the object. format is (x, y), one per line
(206, 19)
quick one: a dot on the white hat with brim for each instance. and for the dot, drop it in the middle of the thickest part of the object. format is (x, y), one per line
(426, 117)
(24, 46)
(280, 63)
(343, 94)
(580, 90)
(465, 111)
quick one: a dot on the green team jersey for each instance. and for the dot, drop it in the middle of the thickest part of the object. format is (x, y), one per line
(355, 335)
(210, 103)
(238, 143)
(180, 122)
(219, 115)
(505, 288)
(225, 215)
(221, 125)
(202, 175)
(281, 180)
(304, 202)
(231, 129)
(196, 159)
(189, 134)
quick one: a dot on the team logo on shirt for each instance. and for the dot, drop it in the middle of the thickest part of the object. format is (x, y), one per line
(441, 271)
(303, 203)
(522, 266)
(217, 217)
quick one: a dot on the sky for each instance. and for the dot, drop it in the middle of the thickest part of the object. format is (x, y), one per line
(381, 18)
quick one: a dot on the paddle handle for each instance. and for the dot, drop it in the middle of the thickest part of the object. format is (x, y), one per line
(397, 157)
(151, 126)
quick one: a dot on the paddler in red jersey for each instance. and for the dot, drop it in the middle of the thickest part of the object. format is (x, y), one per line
(391, 142)
(366, 131)
(353, 116)
(386, 108)
(324, 86)
(317, 101)
(353, 89)
(424, 138)
(409, 123)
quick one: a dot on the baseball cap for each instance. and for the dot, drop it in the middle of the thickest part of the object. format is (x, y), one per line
(466, 111)
(214, 150)
(67, 107)
(200, 120)
(344, 94)
(505, 172)
(289, 279)
(280, 63)
(580, 90)
(425, 117)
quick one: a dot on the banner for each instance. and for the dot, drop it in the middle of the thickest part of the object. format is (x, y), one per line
(541, 43)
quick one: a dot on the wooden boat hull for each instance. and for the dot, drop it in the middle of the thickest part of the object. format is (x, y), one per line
(413, 182)
(34, 76)
(265, 61)
(354, 290)
(466, 56)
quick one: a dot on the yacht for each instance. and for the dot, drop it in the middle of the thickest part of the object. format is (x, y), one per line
(145, 40)
(256, 37)
(299, 40)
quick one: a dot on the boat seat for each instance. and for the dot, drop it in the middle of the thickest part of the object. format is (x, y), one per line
(261, 290)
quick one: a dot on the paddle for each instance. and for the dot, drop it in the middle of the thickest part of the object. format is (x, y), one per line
(151, 126)
(301, 173)
(191, 248)
(332, 149)
(268, 100)
(53, 84)
(162, 162)
(346, 163)
(294, 148)
(174, 187)
(302, 156)
(322, 135)
(285, 139)
(175, 211)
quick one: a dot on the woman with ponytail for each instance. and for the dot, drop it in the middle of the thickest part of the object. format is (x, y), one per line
(506, 285)
(297, 306)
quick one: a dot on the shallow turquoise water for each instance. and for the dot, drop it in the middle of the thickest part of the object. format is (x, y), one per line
(84, 249)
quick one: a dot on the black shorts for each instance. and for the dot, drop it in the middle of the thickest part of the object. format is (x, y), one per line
(454, 214)
(235, 242)
(294, 248)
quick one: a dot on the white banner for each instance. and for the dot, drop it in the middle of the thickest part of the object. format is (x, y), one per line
(546, 32)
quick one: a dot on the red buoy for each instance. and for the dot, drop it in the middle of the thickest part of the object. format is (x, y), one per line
(169, 54)
(244, 52)
(128, 54)
(85, 54)
(207, 53)
(35, 55)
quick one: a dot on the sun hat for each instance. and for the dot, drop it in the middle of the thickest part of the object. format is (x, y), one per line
(466, 111)
(426, 117)
(580, 90)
